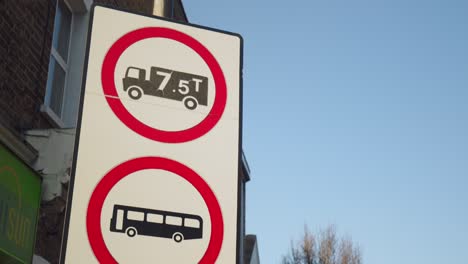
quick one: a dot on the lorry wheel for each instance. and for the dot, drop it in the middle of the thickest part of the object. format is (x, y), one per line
(191, 103)
(135, 93)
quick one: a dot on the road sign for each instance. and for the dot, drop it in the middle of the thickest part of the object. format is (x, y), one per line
(156, 170)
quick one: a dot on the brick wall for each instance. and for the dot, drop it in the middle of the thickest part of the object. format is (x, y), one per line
(25, 38)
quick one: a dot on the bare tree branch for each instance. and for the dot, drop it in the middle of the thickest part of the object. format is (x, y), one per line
(308, 247)
(325, 248)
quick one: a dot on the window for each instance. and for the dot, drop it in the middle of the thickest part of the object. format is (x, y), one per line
(58, 64)
(137, 216)
(189, 222)
(154, 218)
(136, 73)
(174, 220)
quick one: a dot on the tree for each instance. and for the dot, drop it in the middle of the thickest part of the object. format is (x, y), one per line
(325, 248)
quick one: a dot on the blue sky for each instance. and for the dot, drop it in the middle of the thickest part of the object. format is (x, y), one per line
(355, 114)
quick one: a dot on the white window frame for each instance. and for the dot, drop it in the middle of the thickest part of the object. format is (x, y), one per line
(57, 118)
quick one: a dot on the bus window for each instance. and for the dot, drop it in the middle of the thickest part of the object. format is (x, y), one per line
(154, 218)
(119, 221)
(137, 216)
(189, 222)
(173, 220)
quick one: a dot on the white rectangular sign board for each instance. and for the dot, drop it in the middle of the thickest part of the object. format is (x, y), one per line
(156, 169)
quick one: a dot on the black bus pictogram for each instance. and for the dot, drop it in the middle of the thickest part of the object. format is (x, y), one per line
(191, 89)
(149, 222)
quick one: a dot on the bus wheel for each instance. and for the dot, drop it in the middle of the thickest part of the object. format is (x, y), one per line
(131, 232)
(190, 102)
(135, 92)
(178, 237)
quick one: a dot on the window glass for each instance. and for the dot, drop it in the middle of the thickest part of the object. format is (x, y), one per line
(61, 37)
(138, 216)
(174, 220)
(56, 84)
(190, 222)
(58, 64)
(154, 218)
(119, 220)
(134, 73)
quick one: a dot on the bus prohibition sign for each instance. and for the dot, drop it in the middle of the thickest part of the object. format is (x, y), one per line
(112, 97)
(93, 216)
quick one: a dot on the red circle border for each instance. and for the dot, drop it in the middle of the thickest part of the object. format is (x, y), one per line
(105, 185)
(112, 97)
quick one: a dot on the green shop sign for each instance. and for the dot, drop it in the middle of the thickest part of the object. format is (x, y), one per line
(20, 196)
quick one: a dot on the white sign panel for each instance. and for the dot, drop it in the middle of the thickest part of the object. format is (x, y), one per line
(156, 170)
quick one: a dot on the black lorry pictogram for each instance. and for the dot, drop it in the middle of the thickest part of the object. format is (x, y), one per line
(191, 89)
(149, 222)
